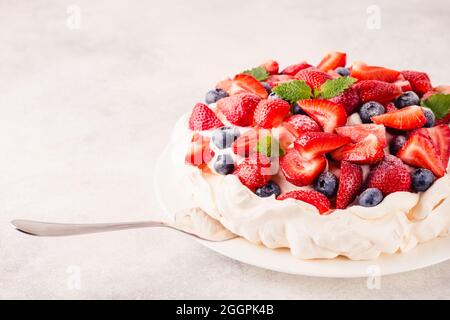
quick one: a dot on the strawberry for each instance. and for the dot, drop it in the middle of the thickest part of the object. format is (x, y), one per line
(350, 182)
(367, 151)
(440, 135)
(246, 83)
(375, 90)
(277, 79)
(408, 118)
(444, 120)
(332, 60)
(312, 197)
(403, 84)
(203, 118)
(312, 144)
(326, 113)
(349, 99)
(390, 107)
(419, 151)
(420, 82)
(292, 70)
(362, 71)
(246, 143)
(359, 132)
(314, 78)
(239, 109)
(199, 153)
(286, 135)
(303, 123)
(253, 172)
(271, 113)
(389, 176)
(225, 85)
(300, 171)
(271, 66)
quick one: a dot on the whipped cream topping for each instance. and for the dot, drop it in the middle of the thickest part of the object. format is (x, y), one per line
(399, 223)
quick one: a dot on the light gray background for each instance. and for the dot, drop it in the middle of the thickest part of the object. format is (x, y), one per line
(85, 113)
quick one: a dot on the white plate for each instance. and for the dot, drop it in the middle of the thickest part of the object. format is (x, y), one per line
(281, 260)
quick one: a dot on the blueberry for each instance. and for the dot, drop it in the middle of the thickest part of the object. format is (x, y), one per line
(296, 109)
(213, 96)
(370, 109)
(224, 164)
(225, 136)
(431, 119)
(273, 95)
(344, 72)
(409, 98)
(396, 144)
(267, 87)
(370, 197)
(271, 188)
(422, 179)
(326, 184)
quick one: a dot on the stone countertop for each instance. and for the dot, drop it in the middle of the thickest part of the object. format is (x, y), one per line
(89, 92)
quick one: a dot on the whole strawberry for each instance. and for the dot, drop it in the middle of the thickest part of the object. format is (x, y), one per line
(309, 196)
(203, 118)
(271, 113)
(349, 99)
(254, 172)
(375, 90)
(420, 82)
(389, 176)
(314, 78)
(239, 109)
(350, 182)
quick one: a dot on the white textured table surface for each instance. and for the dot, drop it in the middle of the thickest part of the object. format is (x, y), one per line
(85, 112)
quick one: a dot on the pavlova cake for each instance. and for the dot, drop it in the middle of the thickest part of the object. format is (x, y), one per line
(326, 160)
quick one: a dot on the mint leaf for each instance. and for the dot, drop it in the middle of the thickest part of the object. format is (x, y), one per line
(269, 146)
(259, 73)
(334, 87)
(293, 91)
(439, 103)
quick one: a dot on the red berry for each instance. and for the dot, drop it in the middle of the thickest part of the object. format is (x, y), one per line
(312, 144)
(389, 176)
(420, 82)
(440, 135)
(239, 109)
(366, 151)
(254, 172)
(349, 99)
(408, 118)
(390, 107)
(271, 66)
(303, 123)
(332, 60)
(362, 71)
(271, 113)
(277, 79)
(225, 85)
(314, 78)
(292, 70)
(326, 113)
(312, 197)
(246, 83)
(199, 153)
(419, 151)
(350, 182)
(375, 90)
(300, 171)
(203, 118)
(246, 143)
(359, 132)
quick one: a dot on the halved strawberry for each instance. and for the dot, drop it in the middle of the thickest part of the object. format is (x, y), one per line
(440, 135)
(326, 113)
(300, 171)
(375, 90)
(312, 197)
(420, 82)
(349, 99)
(254, 172)
(225, 85)
(332, 60)
(403, 84)
(244, 82)
(286, 134)
(389, 176)
(271, 113)
(292, 70)
(359, 132)
(312, 144)
(239, 108)
(203, 118)
(246, 143)
(362, 71)
(314, 78)
(271, 66)
(408, 118)
(350, 182)
(277, 79)
(303, 123)
(366, 151)
(419, 151)
(199, 153)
